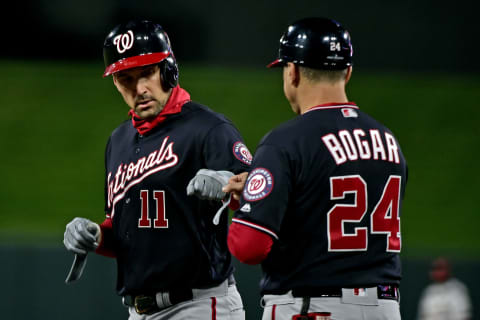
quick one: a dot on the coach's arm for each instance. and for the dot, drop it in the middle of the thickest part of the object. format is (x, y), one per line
(248, 245)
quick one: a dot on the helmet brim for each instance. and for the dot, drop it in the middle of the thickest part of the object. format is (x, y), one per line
(136, 61)
(276, 63)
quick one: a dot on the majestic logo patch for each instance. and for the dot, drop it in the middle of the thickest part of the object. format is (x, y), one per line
(259, 185)
(246, 208)
(349, 113)
(241, 152)
(124, 41)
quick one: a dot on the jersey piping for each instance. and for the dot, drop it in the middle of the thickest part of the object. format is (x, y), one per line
(255, 226)
(333, 106)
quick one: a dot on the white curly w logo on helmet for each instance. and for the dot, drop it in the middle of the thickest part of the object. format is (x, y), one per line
(124, 41)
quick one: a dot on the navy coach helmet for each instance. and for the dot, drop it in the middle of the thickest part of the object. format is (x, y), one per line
(317, 43)
(139, 43)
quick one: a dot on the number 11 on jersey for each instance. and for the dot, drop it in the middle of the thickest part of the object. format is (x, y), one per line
(160, 219)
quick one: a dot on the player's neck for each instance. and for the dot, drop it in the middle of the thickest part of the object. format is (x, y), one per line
(310, 96)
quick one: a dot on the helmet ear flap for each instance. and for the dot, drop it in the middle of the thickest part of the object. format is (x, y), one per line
(169, 72)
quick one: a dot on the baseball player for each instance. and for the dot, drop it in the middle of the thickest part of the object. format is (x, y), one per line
(173, 262)
(320, 207)
(446, 298)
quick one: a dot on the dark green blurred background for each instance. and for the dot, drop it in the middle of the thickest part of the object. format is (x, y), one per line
(415, 69)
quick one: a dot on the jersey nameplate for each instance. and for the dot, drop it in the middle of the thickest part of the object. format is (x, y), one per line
(353, 145)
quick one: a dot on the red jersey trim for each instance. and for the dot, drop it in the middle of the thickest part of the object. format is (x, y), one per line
(256, 226)
(333, 105)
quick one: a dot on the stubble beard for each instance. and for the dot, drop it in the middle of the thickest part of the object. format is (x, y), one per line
(151, 112)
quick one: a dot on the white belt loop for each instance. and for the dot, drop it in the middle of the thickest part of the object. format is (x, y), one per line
(163, 300)
(360, 296)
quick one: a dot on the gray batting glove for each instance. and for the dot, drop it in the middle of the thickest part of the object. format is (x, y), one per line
(81, 235)
(208, 184)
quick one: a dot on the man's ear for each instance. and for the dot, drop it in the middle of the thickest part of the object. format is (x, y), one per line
(293, 72)
(349, 74)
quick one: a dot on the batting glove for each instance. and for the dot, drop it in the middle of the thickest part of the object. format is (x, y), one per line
(81, 235)
(208, 184)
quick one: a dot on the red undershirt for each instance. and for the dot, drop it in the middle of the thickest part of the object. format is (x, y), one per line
(248, 245)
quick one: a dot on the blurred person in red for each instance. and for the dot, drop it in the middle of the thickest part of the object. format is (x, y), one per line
(447, 298)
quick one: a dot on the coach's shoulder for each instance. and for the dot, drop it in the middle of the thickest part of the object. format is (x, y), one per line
(283, 134)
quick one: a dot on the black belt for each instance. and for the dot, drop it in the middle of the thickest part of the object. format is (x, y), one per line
(389, 292)
(148, 303)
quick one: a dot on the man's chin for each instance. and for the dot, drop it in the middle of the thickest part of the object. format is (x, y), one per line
(145, 115)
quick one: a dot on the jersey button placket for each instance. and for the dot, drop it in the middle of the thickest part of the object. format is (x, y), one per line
(137, 149)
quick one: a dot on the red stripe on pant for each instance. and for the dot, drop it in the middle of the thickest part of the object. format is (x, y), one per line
(214, 308)
(273, 311)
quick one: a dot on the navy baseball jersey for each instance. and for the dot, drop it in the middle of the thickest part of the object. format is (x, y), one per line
(327, 186)
(163, 239)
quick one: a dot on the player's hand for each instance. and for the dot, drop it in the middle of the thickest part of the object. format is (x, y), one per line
(207, 184)
(81, 235)
(235, 185)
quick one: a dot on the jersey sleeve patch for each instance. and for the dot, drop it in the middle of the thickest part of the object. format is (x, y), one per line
(259, 184)
(241, 152)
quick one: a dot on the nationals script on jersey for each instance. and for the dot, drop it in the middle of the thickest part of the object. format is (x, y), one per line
(339, 176)
(163, 239)
(128, 175)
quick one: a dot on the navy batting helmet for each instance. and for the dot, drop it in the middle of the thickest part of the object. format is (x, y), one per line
(317, 43)
(140, 43)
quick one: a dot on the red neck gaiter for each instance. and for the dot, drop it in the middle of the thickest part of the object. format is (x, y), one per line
(174, 105)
